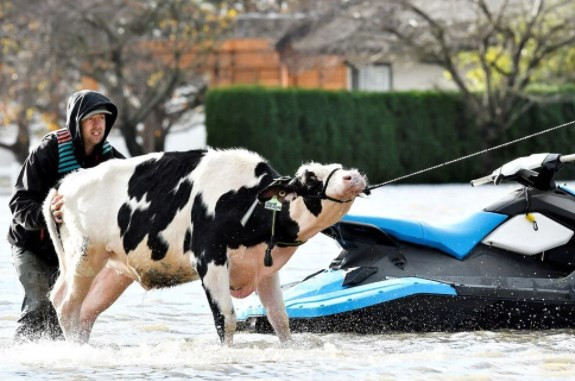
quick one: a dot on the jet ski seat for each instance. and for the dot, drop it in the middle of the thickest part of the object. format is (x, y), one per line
(455, 239)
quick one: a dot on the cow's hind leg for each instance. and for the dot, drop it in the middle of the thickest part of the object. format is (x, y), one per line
(106, 289)
(86, 265)
(216, 283)
(58, 291)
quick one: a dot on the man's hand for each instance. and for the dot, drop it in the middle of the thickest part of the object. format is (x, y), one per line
(56, 207)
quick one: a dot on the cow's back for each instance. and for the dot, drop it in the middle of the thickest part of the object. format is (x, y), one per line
(98, 194)
(140, 208)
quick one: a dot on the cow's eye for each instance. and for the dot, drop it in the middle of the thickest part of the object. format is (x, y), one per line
(282, 193)
(311, 177)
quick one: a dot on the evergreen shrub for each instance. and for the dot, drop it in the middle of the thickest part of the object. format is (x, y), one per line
(385, 135)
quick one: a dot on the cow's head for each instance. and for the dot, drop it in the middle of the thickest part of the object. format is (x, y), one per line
(317, 182)
(321, 195)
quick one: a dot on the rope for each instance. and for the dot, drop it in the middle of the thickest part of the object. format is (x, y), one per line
(268, 260)
(471, 155)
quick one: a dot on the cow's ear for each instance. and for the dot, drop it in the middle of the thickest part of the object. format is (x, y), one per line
(284, 188)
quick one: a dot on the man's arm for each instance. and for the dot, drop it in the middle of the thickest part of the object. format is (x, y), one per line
(38, 174)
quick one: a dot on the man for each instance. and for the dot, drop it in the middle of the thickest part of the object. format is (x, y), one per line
(82, 144)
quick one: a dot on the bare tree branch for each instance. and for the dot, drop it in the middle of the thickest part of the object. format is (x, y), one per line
(505, 44)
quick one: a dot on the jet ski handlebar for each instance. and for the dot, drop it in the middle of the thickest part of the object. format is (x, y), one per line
(482, 181)
(526, 170)
(567, 158)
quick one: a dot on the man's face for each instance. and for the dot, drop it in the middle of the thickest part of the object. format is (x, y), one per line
(93, 129)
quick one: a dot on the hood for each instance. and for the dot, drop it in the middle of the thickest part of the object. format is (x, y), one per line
(82, 103)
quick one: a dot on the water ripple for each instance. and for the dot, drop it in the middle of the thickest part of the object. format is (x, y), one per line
(170, 334)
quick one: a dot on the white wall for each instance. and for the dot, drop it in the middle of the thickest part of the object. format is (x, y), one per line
(419, 76)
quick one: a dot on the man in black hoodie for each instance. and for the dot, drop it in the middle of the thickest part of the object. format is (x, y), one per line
(82, 144)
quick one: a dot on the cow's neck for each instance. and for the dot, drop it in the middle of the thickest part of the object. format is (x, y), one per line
(247, 267)
(309, 224)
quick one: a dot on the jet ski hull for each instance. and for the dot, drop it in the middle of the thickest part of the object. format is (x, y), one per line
(378, 284)
(434, 313)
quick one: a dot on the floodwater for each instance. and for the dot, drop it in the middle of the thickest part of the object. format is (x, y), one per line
(169, 334)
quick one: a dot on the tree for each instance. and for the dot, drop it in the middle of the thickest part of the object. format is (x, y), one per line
(498, 51)
(142, 52)
(277, 6)
(493, 50)
(28, 77)
(147, 56)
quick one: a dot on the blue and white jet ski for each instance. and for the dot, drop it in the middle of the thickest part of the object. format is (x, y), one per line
(510, 265)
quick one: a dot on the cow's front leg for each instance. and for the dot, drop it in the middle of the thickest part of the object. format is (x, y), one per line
(270, 294)
(216, 283)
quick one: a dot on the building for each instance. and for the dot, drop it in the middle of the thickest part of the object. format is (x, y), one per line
(275, 50)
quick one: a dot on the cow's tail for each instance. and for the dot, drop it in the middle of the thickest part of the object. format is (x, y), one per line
(51, 224)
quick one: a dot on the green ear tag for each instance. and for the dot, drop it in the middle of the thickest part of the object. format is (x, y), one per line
(273, 204)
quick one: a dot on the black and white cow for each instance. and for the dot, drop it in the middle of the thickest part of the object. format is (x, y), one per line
(164, 219)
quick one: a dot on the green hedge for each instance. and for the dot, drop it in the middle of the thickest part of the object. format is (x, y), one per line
(385, 135)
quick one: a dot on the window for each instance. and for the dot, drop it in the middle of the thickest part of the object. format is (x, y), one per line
(370, 77)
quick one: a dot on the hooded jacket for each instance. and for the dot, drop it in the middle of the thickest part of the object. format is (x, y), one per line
(40, 173)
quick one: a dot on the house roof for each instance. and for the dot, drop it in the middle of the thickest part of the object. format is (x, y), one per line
(265, 25)
(356, 29)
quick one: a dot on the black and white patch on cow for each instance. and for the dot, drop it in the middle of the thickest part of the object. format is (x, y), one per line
(164, 187)
(169, 218)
